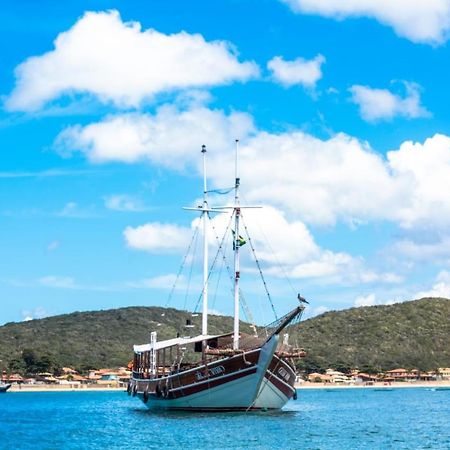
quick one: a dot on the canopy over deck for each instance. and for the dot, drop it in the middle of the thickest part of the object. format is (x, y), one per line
(176, 341)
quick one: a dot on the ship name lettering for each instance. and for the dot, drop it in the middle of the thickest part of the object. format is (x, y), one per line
(214, 371)
(283, 373)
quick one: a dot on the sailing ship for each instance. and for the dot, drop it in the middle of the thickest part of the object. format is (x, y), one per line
(227, 372)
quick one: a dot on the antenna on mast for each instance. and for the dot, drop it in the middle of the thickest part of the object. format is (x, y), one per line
(237, 213)
(205, 248)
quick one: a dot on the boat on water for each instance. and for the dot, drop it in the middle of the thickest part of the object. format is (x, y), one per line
(234, 371)
(4, 387)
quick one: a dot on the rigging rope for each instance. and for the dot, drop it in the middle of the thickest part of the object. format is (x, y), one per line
(182, 266)
(212, 265)
(245, 309)
(190, 271)
(259, 267)
(276, 257)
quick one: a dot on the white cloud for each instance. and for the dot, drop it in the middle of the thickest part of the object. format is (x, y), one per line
(368, 300)
(171, 137)
(299, 71)
(426, 21)
(67, 282)
(124, 202)
(283, 247)
(322, 181)
(425, 169)
(36, 313)
(216, 312)
(319, 310)
(159, 282)
(315, 181)
(157, 237)
(117, 61)
(382, 104)
(413, 249)
(441, 288)
(74, 211)
(58, 282)
(46, 173)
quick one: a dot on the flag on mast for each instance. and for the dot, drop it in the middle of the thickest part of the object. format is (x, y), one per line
(240, 241)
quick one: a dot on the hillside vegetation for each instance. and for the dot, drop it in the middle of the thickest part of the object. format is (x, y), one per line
(99, 338)
(411, 334)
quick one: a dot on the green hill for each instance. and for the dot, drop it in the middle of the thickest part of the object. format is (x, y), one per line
(413, 334)
(410, 334)
(99, 338)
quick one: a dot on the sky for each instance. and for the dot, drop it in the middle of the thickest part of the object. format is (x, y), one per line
(341, 111)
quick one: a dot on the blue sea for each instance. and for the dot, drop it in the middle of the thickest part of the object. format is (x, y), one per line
(416, 418)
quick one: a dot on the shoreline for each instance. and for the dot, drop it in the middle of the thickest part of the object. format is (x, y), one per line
(64, 388)
(380, 385)
(305, 385)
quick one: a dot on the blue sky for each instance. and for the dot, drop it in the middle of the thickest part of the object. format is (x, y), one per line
(341, 110)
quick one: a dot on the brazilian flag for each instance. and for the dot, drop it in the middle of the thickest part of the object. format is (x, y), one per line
(240, 240)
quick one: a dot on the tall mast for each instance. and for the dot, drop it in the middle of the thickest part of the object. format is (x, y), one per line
(205, 248)
(237, 213)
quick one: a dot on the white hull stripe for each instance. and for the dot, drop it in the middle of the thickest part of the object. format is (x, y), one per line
(209, 380)
(279, 379)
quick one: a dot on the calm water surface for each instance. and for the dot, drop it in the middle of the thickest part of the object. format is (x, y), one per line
(319, 419)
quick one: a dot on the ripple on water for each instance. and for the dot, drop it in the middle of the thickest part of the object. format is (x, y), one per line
(346, 420)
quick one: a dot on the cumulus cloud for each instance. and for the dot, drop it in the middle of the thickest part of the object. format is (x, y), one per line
(319, 310)
(426, 21)
(322, 181)
(441, 287)
(283, 247)
(124, 202)
(171, 138)
(299, 71)
(382, 104)
(425, 168)
(414, 249)
(316, 181)
(119, 62)
(157, 237)
(36, 313)
(368, 300)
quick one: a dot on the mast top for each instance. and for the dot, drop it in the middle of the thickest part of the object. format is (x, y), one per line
(203, 148)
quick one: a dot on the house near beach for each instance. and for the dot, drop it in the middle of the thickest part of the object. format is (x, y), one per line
(443, 373)
(362, 377)
(338, 377)
(316, 377)
(402, 374)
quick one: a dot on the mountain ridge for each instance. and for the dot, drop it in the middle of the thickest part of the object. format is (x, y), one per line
(372, 338)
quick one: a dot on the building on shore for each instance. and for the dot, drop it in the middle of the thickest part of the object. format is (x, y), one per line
(443, 373)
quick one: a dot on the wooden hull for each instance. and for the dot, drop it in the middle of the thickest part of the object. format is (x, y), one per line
(228, 384)
(277, 387)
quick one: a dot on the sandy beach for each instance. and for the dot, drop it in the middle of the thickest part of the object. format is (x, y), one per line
(64, 388)
(305, 385)
(392, 385)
